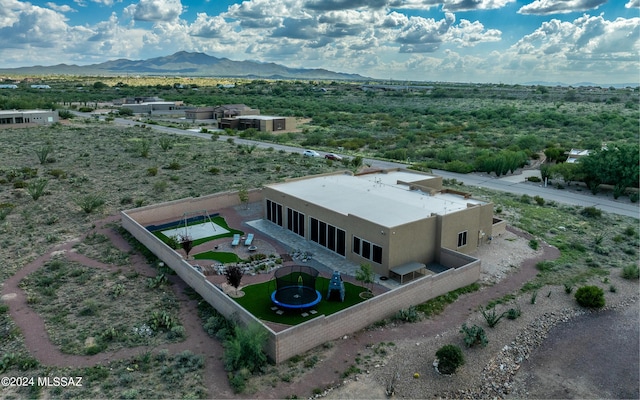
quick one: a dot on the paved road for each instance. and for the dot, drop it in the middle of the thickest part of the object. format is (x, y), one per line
(513, 184)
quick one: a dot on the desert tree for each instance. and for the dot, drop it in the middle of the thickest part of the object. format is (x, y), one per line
(243, 195)
(186, 243)
(365, 275)
(234, 276)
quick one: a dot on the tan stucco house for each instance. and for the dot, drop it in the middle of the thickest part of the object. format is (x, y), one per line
(397, 221)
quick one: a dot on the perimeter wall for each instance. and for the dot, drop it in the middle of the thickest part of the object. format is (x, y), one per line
(283, 345)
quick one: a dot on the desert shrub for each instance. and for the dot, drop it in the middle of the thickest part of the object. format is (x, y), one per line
(162, 320)
(174, 165)
(165, 143)
(474, 335)
(534, 179)
(491, 316)
(152, 171)
(539, 200)
(525, 199)
(36, 188)
(514, 312)
(568, 288)
(244, 349)
(407, 315)
(590, 296)
(43, 153)
(631, 271)
(534, 244)
(58, 173)
(90, 202)
(450, 358)
(5, 209)
(591, 212)
(214, 170)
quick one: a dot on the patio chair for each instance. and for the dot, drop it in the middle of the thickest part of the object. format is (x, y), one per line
(236, 239)
(249, 240)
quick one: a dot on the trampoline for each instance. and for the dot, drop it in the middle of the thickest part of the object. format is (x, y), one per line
(296, 288)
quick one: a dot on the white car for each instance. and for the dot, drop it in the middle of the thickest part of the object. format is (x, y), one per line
(311, 153)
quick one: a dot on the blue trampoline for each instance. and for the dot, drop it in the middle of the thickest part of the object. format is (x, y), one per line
(296, 288)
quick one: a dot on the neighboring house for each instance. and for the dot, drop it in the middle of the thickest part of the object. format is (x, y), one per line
(263, 123)
(201, 113)
(26, 118)
(40, 87)
(5, 86)
(397, 221)
(576, 154)
(141, 108)
(233, 110)
(136, 100)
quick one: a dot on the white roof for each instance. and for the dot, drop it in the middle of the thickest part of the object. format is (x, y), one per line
(375, 197)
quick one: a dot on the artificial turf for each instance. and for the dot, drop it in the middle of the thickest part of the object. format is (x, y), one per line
(257, 300)
(221, 256)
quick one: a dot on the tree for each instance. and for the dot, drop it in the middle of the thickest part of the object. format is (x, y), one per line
(243, 195)
(187, 244)
(590, 296)
(234, 276)
(365, 275)
(617, 165)
(356, 162)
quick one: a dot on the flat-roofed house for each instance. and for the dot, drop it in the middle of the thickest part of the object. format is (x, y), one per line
(397, 220)
(26, 118)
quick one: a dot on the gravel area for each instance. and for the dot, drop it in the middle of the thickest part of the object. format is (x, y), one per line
(488, 372)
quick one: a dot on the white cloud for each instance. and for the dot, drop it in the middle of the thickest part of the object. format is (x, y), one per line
(470, 5)
(155, 10)
(62, 8)
(633, 4)
(546, 7)
(587, 45)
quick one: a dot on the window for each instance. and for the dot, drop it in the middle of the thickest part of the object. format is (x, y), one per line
(295, 221)
(367, 250)
(274, 212)
(462, 239)
(327, 235)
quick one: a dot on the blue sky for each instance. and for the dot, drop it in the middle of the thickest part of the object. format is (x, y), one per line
(500, 41)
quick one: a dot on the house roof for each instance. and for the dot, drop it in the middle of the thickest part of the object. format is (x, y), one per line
(378, 197)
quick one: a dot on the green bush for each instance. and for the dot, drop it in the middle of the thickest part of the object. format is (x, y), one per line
(407, 315)
(450, 358)
(91, 202)
(590, 296)
(631, 271)
(591, 212)
(244, 349)
(474, 335)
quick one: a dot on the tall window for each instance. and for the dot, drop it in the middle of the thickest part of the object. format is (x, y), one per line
(367, 250)
(462, 239)
(328, 236)
(274, 212)
(295, 221)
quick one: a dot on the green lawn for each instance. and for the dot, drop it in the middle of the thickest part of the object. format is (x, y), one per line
(222, 256)
(257, 300)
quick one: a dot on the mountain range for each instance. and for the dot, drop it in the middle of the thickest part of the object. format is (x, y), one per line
(186, 64)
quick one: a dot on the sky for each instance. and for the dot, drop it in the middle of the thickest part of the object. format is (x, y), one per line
(481, 41)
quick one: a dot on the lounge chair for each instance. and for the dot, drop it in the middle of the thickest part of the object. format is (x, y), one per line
(249, 240)
(236, 239)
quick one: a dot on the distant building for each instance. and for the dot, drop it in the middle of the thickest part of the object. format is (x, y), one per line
(576, 154)
(8, 86)
(220, 112)
(143, 108)
(40, 87)
(26, 118)
(263, 123)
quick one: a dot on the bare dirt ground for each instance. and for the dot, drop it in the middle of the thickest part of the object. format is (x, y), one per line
(554, 350)
(574, 353)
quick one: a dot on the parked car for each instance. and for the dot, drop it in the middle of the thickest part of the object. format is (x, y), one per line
(311, 153)
(333, 157)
